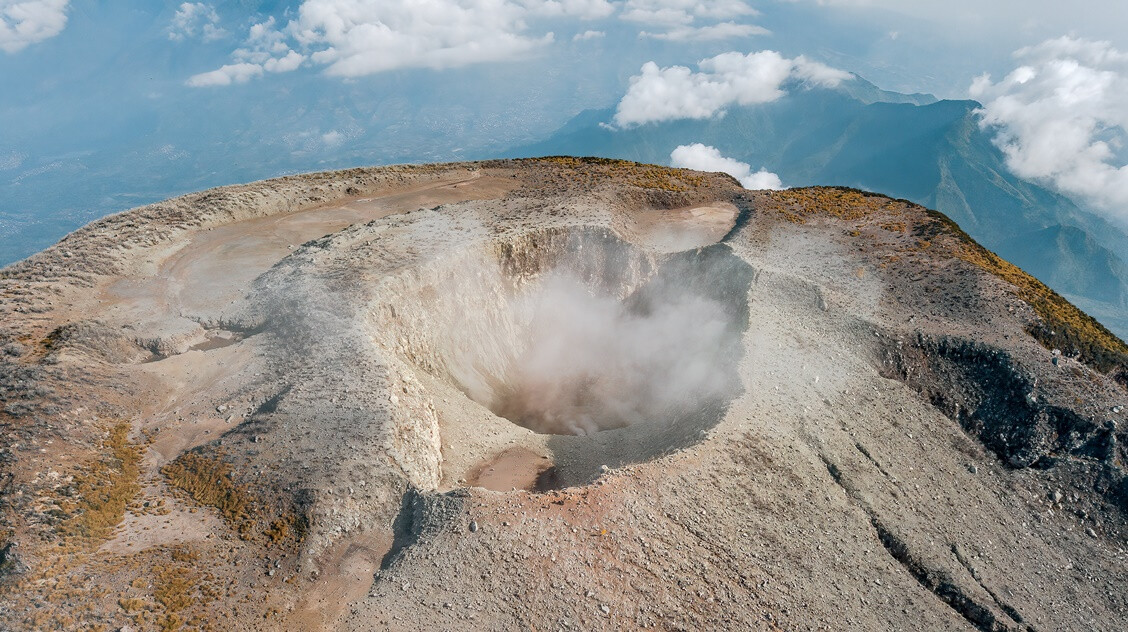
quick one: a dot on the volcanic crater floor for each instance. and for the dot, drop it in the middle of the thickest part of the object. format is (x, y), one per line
(552, 394)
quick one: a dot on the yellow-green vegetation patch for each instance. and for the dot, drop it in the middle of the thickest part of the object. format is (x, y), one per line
(805, 203)
(174, 588)
(100, 493)
(174, 595)
(1063, 325)
(134, 605)
(645, 176)
(206, 476)
(663, 178)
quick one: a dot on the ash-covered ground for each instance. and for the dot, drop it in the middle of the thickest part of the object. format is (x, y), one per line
(552, 394)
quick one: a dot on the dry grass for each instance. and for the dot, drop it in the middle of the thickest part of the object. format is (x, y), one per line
(180, 594)
(207, 478)
(57, 592)
(803, 204)
(174, 588)
(279, 530)
(134, 605)
(655, 177)
(100, 493)
(1063, 326)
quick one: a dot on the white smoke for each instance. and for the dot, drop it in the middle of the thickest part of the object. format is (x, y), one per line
(593, 363)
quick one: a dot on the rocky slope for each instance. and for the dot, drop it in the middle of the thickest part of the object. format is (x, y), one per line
(552, 393)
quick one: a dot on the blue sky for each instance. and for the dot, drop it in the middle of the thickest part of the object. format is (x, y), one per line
(107, 105)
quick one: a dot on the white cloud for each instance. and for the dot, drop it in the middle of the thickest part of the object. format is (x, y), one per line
(360, 37)
(226, 75)
(169, 152)
(291, 61)
(265, 50)
(352, 38)
(194, 19)
(812, 73)
(762, 179)
(23, 23)
(674, 12)
(680, 18)
(584, 9)
(723, 30)
(663, 94)
(263, 43)
(1061, 117)
(705, 158)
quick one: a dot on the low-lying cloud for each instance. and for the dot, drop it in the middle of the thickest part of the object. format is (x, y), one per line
(705, 158)
(665, 94)
(1061, 118)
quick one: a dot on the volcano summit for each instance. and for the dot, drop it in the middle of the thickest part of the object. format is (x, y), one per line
(554, 393)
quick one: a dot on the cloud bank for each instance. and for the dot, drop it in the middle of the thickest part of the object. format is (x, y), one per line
(1061, 118)
(723, 30)
(25, 22)
(684, 11)
(353, 38)
(705, 158)
(665, 94)
(360, 37)
(680, 20)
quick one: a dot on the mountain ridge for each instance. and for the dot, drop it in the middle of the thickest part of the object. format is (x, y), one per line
(929, 151)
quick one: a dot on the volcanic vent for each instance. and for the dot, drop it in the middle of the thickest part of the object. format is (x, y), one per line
(620, 352)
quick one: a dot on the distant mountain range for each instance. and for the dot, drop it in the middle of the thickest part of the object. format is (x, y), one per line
(908, 146)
